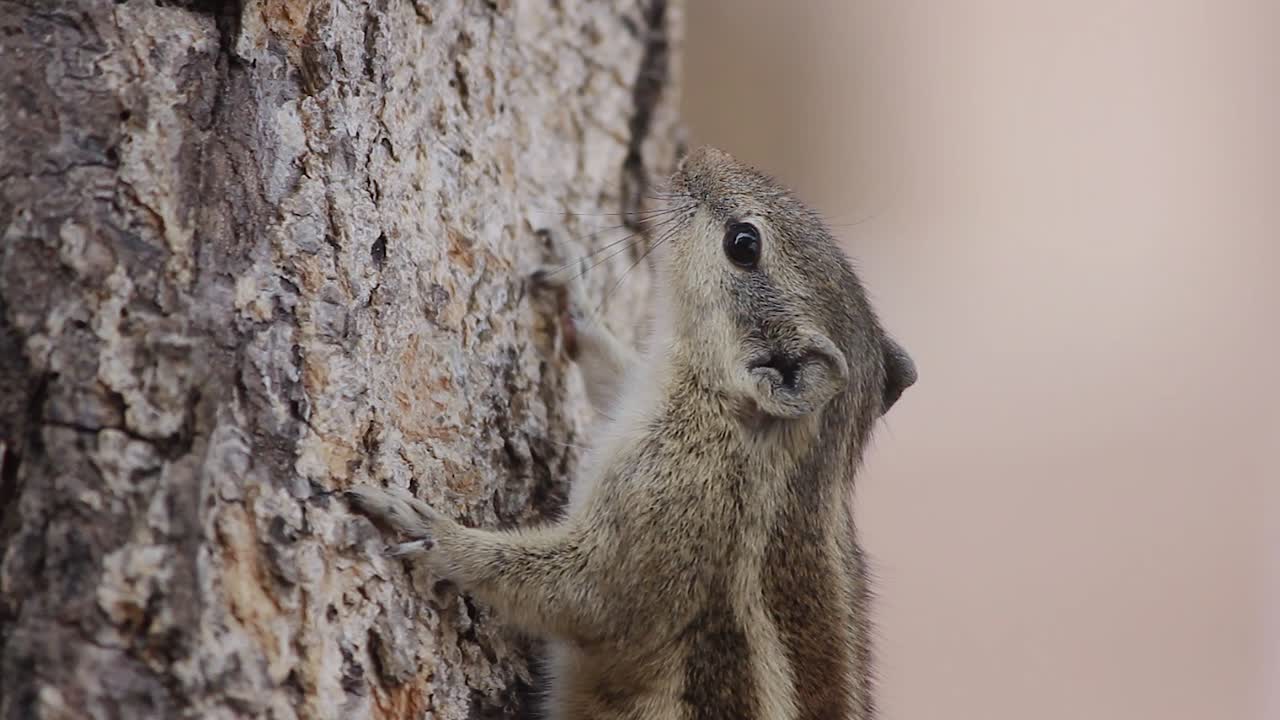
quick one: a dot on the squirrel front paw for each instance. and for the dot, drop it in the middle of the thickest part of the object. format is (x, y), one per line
(575, 310)
(398, 510)
(406, 515)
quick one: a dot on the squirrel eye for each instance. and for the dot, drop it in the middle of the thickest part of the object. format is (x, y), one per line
(742, 244)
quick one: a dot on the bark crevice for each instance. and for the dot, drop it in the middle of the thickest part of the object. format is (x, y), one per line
(646, 92)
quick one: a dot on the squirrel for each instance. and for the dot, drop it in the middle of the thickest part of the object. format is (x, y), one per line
(706, 565)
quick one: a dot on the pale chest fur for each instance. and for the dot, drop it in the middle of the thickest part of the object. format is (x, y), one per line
(719, 497)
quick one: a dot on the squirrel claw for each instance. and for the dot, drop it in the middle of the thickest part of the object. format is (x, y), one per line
(410, 549)
(563, 276)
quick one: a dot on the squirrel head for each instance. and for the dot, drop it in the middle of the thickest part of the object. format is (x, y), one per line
(764, 300)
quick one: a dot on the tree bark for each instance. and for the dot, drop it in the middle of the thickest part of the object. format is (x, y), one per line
(258, 251)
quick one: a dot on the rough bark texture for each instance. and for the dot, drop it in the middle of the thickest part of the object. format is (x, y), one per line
(256, 251)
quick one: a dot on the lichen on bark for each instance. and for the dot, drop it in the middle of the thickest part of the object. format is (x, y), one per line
(253, 252)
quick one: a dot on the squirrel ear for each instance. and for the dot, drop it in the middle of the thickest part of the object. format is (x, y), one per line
(900, 373)
(796, 381)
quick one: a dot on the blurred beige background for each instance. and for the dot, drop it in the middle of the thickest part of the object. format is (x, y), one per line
(1069, 212)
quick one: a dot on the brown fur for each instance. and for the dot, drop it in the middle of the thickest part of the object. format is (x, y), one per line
(706, 567)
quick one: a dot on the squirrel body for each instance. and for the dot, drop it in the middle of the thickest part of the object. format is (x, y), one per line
(706, 566)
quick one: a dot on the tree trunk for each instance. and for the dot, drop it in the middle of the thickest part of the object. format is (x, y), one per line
(257, 251)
